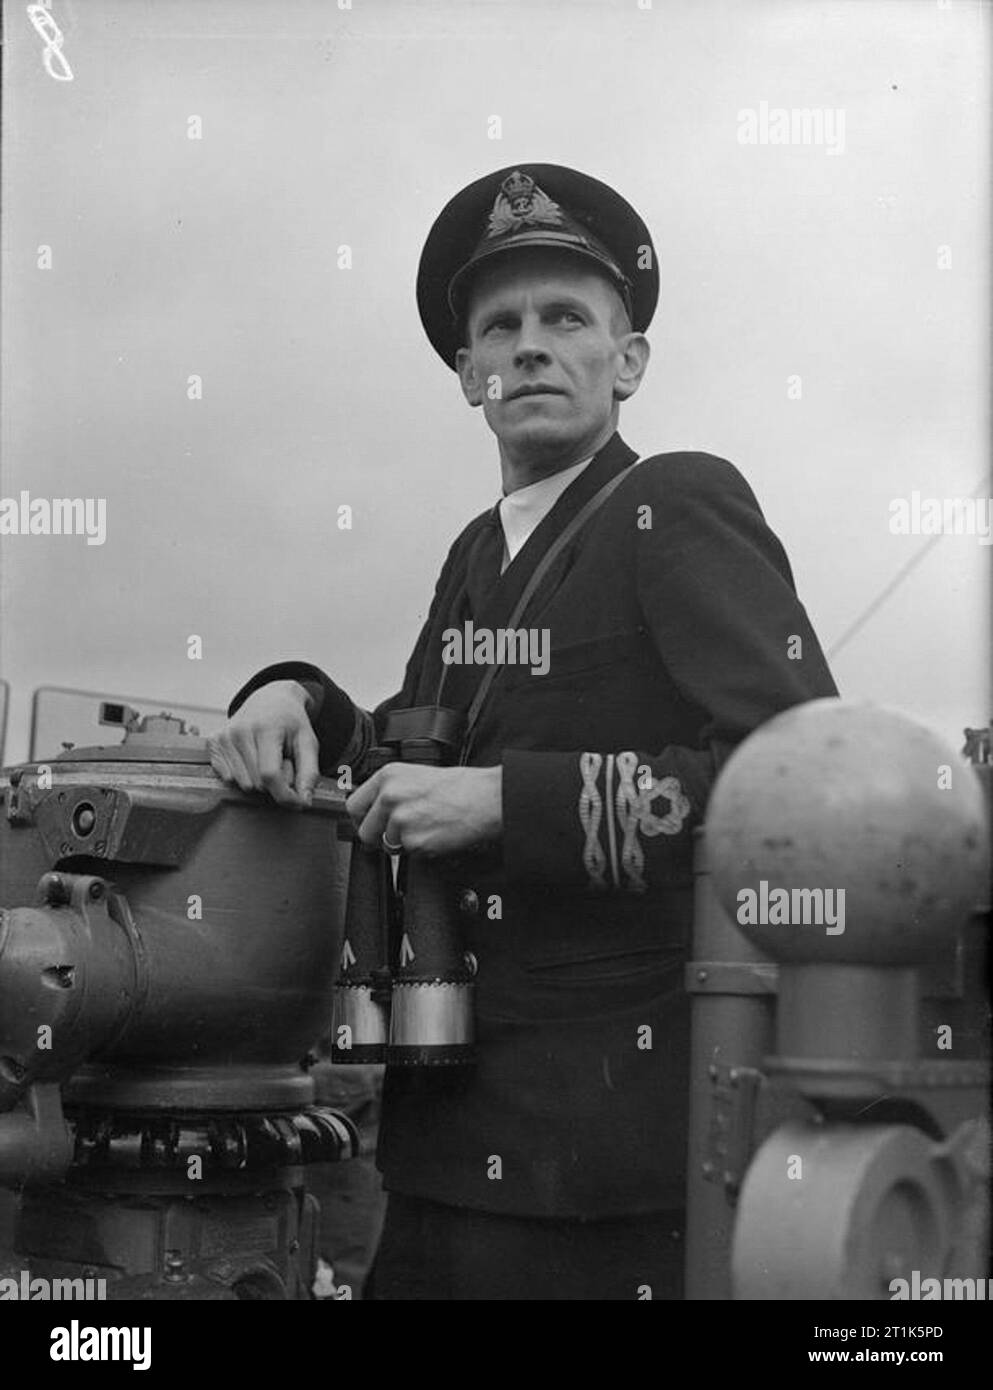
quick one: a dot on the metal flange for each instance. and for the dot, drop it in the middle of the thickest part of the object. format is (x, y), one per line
(840, 1211)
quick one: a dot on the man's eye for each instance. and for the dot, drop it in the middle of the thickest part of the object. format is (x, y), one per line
(570, 316)
(498, 324)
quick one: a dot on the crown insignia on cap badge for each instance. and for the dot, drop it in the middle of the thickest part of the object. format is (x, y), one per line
(521, 203)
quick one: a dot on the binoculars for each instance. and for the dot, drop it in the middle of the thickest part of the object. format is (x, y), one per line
(404, 993)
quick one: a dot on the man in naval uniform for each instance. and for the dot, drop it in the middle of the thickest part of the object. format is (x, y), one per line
(673, 630)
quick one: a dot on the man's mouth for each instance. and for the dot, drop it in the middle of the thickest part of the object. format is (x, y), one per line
(534, 390)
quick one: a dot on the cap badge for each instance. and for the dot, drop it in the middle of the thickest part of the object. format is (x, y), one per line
(521, 203)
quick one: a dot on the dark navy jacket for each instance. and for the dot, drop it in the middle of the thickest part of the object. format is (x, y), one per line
(675, 631)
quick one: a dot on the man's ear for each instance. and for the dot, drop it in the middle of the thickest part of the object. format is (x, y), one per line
(472, 387)
(634, 350)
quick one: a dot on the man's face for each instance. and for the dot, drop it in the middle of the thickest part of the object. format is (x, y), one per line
(548, 355)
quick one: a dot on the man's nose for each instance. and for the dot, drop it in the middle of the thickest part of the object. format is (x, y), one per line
(531, 354)
(531, 347)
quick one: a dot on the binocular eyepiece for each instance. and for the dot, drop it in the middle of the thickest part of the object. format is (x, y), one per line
(404, 993)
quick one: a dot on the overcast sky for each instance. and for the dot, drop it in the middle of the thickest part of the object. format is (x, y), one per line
(217, 257)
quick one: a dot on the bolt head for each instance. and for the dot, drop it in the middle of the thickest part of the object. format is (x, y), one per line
(55, 889)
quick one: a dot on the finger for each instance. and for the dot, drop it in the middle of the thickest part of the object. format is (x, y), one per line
(275, 772)
(377, 817)
(219, 763)
(358, 804)
(391, 834)
(240, 751)
(375, 823)
(239, 772)
(289, 774)
(305, 749)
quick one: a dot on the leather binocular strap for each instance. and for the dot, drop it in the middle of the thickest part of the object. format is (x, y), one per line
(540, 570)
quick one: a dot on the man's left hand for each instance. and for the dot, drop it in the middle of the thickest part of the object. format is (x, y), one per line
(429, 810)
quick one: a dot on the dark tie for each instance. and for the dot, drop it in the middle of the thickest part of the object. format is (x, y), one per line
(485, 559)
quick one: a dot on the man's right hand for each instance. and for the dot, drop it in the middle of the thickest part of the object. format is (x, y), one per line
(269, 745)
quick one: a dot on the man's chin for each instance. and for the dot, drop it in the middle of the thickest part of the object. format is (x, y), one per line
(540, 437)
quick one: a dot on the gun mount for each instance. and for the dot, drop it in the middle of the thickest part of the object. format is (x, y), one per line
(166, 964)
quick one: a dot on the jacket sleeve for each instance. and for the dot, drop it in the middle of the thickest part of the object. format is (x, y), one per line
(717, 596)
(345, 731)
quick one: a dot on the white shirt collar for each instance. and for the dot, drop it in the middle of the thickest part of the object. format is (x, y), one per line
(523, 510)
